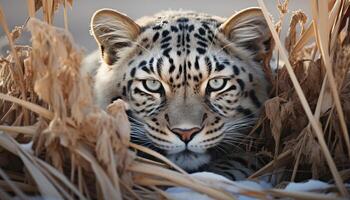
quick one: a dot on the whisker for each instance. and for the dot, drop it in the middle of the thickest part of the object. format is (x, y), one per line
(222, 144)
(253, 144)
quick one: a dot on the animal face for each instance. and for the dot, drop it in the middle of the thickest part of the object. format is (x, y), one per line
(193, 82)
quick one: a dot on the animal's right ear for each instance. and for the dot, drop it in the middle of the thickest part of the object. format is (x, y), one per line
(113, 31)
(248, 29)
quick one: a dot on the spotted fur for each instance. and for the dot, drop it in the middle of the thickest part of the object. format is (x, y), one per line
(193, 82)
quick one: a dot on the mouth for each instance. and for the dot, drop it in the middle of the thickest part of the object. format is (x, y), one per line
(188, 160)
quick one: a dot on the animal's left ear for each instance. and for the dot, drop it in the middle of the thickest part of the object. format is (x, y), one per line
(113, 32)
(248, 29)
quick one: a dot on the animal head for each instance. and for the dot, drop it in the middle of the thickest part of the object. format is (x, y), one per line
(192, 81)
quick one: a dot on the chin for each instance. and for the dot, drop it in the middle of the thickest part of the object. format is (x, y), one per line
(189, 161)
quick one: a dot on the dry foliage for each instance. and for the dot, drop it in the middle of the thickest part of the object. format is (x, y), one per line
(82, 152)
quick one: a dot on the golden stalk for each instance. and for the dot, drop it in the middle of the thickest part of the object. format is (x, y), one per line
(314, 123)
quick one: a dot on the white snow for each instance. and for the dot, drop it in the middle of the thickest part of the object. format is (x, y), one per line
(233, 187)
(27, 147)
(307, 186)
(219, 182)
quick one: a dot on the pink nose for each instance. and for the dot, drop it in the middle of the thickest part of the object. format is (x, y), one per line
(185, 134)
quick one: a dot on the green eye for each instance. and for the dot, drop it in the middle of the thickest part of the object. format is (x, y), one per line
(217, 84)
(152, 85)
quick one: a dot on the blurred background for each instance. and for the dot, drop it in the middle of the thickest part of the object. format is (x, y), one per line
(79, 14)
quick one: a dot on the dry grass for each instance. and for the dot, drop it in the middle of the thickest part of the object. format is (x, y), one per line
(45, 101)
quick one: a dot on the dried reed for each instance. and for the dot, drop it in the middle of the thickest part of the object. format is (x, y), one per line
(78, 151)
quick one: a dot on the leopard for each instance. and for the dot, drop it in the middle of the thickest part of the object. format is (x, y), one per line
(193, 83)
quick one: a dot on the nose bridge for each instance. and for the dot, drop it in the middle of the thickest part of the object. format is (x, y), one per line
(185, 113)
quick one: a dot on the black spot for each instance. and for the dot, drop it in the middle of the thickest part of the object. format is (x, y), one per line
(145, 40)
(219, 67)
(167, 39)
(250, 77)
(200, 43)
(171, 69)
(188, 38)
(178, 53)
(241, 84)
(142, 63)
(254, 98)
(201, 31)
(174, 29)
(235, 70)
(157, 27)
(201, 50)
(191, 28)
(196, 63)
(146, 69)
(124, 91)
(129, 84)
(196, 35)
(208, 63)
(226, 62)
(180, 27)
(155, 37)
(171, 61)
(178, 38)
(189, 64)
(159, 66)
(151, 64)
(133, 71)
(166, 52)
(205, 25)
(164, 46)
(182, 19)
(166, 117)
(180, 69)
(165, 33)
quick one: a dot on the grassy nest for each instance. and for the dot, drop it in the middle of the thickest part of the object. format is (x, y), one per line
(56, 143)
